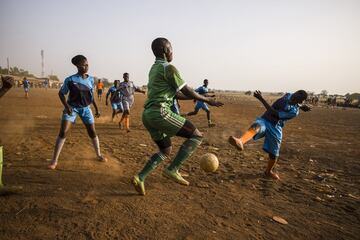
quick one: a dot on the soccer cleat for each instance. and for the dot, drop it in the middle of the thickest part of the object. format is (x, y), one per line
(138, 185)
(236, 143)
(175, 176)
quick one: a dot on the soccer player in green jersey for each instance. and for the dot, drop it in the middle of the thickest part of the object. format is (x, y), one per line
(164, 84)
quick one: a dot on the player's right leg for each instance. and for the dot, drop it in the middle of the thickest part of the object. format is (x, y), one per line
(256, 128)
(193, 140)
(60, 140)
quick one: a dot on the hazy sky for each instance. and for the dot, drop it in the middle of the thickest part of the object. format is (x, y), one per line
(279, 45)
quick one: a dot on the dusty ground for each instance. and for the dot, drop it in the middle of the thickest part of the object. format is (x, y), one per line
(318, 194)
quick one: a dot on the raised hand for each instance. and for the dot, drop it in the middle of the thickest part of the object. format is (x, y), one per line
(257, 94)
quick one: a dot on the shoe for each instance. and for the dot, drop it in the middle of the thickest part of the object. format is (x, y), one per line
(236, 143)
(138, 185)
(175, 176)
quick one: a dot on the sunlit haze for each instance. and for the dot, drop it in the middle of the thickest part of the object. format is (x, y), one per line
(237, 45)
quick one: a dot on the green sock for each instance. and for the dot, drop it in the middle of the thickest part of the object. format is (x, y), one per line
(185, 151)
(153, 162)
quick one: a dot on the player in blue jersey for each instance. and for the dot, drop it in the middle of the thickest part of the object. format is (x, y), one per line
(115, 99)
(26, 85)
(270, 125)
(79, 88)
(203, 90)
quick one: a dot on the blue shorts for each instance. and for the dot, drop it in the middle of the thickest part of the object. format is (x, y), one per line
(201, 105)
(84, 113)
(272, 134)
(117, 106)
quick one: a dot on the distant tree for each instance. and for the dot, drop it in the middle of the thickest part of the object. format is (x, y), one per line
(248, 93)
(324, 92)
(54, 77)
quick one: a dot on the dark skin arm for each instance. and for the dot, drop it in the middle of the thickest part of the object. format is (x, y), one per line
(107, 96)
(257, 94)
(68, 108)
(139, 90)
(8, 83)
(191, 94)
(306, 108)
(97, 114)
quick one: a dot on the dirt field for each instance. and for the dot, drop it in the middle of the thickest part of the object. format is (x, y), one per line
(318, 194)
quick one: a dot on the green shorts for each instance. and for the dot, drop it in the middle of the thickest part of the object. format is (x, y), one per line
(162, 122)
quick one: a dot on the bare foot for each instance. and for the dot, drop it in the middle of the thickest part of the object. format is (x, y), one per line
(236, 142)
(52, 166)
(272, 175)
(102, 158)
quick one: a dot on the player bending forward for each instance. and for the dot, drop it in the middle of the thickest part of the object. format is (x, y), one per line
(164, 83)
(270, 125)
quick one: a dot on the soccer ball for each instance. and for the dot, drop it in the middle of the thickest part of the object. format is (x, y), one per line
(209, 162)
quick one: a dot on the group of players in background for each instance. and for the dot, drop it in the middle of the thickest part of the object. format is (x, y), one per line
(161, 116)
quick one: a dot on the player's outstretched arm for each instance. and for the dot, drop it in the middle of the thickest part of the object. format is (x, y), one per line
(258, 95)
(8, 82)
(306, 107)
(189, 92)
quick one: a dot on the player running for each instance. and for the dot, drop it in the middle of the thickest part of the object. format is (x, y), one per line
(26, 85)
(127, 90)
(164, 83)
(203, 90)
(99, 87)
(80, 89)
(270, 125)
(115, 99)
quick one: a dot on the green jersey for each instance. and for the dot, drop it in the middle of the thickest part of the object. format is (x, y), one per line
(164, 83)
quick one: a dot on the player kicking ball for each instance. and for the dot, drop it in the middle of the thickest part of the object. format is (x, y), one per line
(162, 123)
(80, 89)
(270, 126)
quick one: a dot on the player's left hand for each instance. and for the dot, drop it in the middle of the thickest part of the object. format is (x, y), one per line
(97, 114)
(306, 108)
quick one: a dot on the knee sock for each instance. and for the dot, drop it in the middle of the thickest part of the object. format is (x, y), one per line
(127, 122)
(58, 146)
(95, 142)
(153, 162)
(185, 151)
(249, 134)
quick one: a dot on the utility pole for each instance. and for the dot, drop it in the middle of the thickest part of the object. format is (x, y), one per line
(42, 63)
(8, 65)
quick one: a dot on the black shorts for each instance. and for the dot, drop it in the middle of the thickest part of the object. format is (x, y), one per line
(100, 91)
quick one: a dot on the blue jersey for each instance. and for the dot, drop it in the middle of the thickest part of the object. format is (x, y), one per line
(202, 90)
(26, 83)
(285, 110)
(111, 92)
(80, 90)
